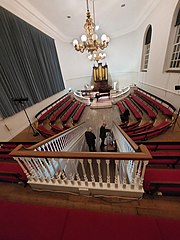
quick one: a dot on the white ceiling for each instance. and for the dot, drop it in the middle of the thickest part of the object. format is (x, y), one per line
(113, 19)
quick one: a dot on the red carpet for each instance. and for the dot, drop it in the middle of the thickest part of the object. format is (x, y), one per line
(29, 222)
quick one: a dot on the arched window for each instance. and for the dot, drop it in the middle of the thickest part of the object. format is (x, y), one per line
(172, 61)
(146, 49)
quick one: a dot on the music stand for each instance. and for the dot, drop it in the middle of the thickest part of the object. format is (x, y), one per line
(21, 102)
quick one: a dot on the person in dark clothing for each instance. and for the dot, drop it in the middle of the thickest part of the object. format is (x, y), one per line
(90, 139)
(125, 116)
(102, 135)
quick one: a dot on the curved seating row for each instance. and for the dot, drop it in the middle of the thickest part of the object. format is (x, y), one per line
(79, 112)
(133, 109)
(154, 131)
(165, 157)
(159, 146)
(144, 106)
(130, 126)
(159, 176)
(69, 112)
(163, 180)
(155, 103)
(144, 127)
(50, 109)
(44, 131)
(12, 172)
(120, 106)
(60, 111)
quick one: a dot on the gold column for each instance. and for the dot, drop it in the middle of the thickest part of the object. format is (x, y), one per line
(106, 72)
(94, 73)
(100, 71)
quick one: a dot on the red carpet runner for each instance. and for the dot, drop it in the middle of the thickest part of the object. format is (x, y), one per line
(28, 222)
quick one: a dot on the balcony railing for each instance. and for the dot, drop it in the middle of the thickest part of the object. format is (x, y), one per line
(61, 164)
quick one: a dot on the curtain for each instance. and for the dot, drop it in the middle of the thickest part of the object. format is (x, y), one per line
(29, 65)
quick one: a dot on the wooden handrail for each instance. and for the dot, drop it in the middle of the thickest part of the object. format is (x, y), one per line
(54, 136)
(143, 154)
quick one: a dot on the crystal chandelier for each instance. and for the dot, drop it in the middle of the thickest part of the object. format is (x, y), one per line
(96, 56)
(89, 40)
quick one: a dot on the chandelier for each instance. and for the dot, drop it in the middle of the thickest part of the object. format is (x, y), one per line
(89, 40)
(96, 56)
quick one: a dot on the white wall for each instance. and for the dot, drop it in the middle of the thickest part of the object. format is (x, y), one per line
(155, 80)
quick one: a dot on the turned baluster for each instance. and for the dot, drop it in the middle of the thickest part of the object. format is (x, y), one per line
(116, 173)
(142, 174)
(125, 174)
(91, 170)
(76, 173)
(134, 174)
(29, 177)
(84, 172)
(48, 170)
(99, 172)
(108, 173)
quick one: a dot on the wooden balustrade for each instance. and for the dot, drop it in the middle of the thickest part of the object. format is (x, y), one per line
(56, 165)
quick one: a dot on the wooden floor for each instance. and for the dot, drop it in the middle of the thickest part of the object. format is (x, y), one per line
(160, 206)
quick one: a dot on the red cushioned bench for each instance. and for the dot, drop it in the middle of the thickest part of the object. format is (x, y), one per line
(56, 114)
(57, 129)
(144, 127)
(163, 180)
(120, 106)
(51, 109)
(165, 157)
(154, 131)
(12, 172)
(44, 131)
(130, 126)
(144, 106)
(157, 146)
(78, 113)
(69, 112)
(160, 106)
(133, 109)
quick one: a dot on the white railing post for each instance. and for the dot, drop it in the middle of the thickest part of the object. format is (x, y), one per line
(145, 163)
(99, 172)
(134, 174)
(84, 172)
(91, 170)
(116, 173)
(108, 173)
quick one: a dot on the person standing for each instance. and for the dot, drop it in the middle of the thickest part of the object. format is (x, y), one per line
(102, 135)
(90, 139)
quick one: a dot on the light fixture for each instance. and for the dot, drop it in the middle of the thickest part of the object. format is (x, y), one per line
(90, 41)
(96, 56)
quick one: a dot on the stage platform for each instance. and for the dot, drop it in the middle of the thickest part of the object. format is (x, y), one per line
(103, 102)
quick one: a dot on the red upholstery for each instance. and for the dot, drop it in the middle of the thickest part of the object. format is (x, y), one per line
(14, 168)
(130, 126)
(133, 109)
(69, 112)
(121, 106)
(157, 104)
(60, 110)
(144, 106)
(164, 176)
(51, 109)
(164, 125)
(44, 131)
(141, 128)
(78, 113)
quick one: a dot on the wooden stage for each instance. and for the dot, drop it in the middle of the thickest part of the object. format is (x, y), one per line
(103, 102)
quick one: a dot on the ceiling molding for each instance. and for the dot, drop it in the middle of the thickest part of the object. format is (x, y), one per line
(24, 10)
